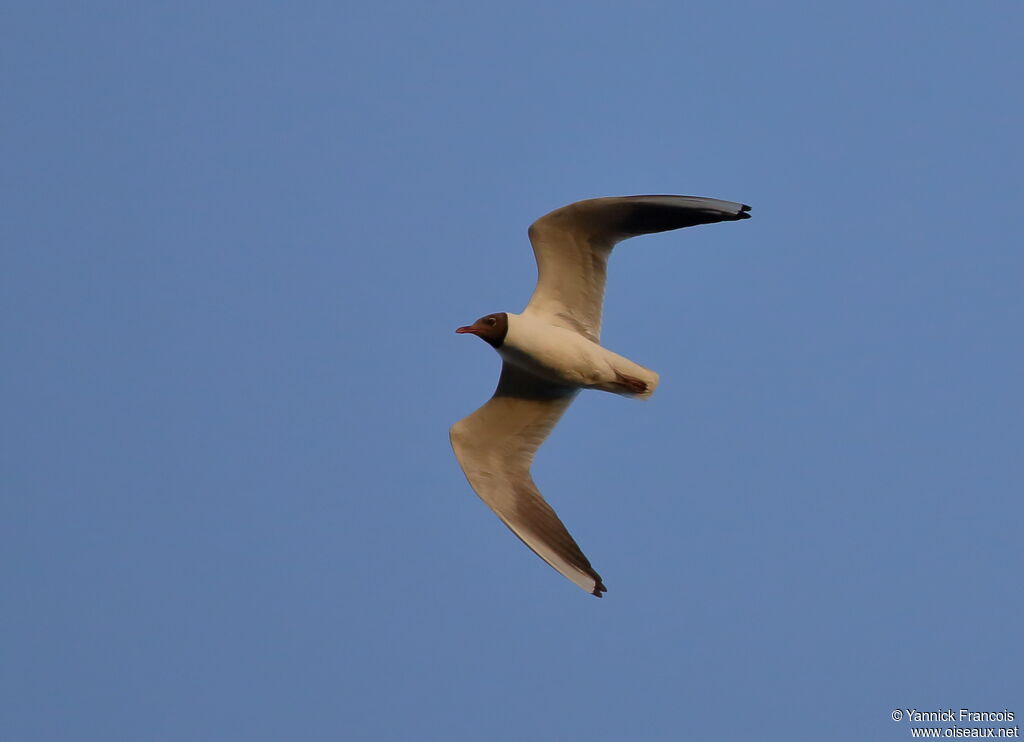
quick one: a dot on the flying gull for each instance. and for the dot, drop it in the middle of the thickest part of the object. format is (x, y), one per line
(551, 351)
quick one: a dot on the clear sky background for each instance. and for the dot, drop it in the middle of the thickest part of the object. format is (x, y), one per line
(237, 238)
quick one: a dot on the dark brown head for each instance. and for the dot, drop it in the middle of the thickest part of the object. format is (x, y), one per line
(493, 328)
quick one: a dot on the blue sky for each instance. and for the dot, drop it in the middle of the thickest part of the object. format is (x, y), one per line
(238, 238)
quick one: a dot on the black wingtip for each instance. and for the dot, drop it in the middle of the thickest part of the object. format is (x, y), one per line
(735, 216)
(598, 589)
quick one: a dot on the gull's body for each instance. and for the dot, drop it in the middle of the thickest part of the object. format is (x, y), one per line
(566, 358)
(551, 351)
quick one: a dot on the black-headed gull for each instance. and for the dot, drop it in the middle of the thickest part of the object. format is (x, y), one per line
(551, 350)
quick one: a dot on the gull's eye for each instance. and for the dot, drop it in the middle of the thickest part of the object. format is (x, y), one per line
(491, 321)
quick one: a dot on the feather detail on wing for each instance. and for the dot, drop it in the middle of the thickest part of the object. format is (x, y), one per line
(572, 245)
(495, 447)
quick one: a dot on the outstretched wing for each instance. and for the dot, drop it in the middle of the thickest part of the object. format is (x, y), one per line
(495, 447)
(572, 245)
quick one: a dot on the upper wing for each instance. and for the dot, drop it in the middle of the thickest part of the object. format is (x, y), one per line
(572, 245)
(495, 447)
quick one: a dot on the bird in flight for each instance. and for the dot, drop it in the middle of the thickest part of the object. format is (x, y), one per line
(551, 351)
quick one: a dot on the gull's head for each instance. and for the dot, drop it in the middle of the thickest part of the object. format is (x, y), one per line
(493, 328)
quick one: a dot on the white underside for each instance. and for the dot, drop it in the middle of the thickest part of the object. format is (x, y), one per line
(566, 357)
